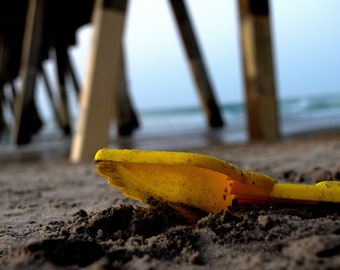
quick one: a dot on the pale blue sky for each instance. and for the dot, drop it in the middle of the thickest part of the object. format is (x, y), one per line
(306, 38)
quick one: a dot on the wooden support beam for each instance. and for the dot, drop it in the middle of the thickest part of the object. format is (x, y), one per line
(52, 99)
(3, 59)
(3, 124)
(26, 118)
(70, 70)
(62, 67)
(258, 70)
(197, 64)
(102, 80)
(14, 94)
(127, 119)
(10, 100)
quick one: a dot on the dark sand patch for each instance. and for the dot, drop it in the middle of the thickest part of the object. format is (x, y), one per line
(242, 236)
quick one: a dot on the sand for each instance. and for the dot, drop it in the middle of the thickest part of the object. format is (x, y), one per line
(58, 215)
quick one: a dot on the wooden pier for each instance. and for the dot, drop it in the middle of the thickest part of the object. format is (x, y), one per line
(104, 94)
(258, 70)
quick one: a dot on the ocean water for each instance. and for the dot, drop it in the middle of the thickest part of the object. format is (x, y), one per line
(297, 115)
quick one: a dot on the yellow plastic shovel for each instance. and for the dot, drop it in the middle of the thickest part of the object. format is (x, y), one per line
(195, 184)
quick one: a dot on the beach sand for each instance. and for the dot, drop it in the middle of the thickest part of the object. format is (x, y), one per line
(58, 215)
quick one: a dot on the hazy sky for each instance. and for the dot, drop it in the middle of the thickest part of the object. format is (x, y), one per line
(306, 36)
